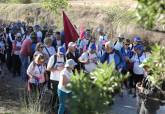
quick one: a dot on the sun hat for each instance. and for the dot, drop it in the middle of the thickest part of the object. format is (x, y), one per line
(71, 44)
(61, 50)
(70, 63)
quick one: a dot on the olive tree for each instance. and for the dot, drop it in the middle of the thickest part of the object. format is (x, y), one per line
(54, 5)
(149, 12)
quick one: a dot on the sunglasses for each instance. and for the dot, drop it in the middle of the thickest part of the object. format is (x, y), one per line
(127, 44)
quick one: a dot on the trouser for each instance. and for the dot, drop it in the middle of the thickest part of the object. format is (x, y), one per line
(16, 63)
(130, 79)
(144, 110)
(55, 101)
(137, 78)
(9, 61)
(24, 66)
(63, 98)
(35, 92)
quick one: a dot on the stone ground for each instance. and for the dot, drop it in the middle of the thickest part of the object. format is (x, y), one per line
(127, 105)
(11, 89)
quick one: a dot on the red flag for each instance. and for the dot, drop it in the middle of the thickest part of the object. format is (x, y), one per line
(82, 31)
(70, 33)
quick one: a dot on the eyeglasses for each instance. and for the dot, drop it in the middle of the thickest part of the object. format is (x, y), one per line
(127, 44)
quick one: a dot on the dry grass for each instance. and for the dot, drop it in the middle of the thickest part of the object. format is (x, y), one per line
(116, 16)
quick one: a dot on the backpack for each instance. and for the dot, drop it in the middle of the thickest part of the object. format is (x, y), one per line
(55, 60)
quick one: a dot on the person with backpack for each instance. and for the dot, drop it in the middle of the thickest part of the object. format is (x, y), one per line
(55, 66)
(138, 58)
(48, 49)
(63, 92)
(72, 53)
(85, 41)
(113, 56)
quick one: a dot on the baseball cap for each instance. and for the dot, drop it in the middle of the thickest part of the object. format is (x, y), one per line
(92, 47)
(139, 47)
(136, 39)
(70, 63)
(61, 50)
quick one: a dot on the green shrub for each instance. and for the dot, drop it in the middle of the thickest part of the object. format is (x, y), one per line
(149, 12)
(156, 65)
(94, 92)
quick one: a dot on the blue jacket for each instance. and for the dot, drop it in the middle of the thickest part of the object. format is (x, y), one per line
(118, 58)
(129, 53)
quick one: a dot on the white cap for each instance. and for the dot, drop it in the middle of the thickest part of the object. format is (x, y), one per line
(18, 34)
(70, 63)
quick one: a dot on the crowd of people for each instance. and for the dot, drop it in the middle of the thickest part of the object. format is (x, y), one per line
(40, 56)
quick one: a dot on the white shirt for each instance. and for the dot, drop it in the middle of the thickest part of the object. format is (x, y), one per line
(137, 61)
(39, 34)
(83, 43)
(68, 75)
(55, 75)
(111, 58)
(36, 71)
(18, 44)
(118, 45)
(50, 50)
(91, 66)
(102, 38)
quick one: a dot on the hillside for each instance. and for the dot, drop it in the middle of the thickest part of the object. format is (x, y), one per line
(115, 16)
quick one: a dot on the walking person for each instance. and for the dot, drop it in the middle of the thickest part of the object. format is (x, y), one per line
(36, 73)
(48, 49)
(63, 92)
(2, 52)
(55, 66)
(25, 54)
(89, 59)
(72, 53)
(16, 62)
(138, 58)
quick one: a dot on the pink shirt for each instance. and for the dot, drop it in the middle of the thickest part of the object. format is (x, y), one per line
(26, 47)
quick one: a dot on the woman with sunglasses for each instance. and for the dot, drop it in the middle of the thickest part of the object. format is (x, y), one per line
(36, 74)
(128, 53)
